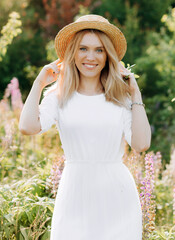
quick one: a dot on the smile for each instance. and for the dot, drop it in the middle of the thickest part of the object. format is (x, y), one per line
(90, 66)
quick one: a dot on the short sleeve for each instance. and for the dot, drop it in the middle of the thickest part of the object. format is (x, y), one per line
(127, 121)
(48, 111)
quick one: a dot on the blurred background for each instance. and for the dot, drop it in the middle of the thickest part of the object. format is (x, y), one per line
(28, 29)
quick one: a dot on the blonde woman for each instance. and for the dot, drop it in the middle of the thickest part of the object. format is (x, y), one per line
(95, 111)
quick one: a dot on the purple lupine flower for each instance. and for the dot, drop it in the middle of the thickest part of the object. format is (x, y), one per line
(174, 204)
(147, 195)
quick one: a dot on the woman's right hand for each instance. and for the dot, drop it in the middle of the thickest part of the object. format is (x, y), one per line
(49, 73)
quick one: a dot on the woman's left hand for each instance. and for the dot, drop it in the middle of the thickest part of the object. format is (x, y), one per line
(134, 88)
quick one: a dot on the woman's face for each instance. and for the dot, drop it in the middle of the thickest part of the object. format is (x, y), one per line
(90, 57)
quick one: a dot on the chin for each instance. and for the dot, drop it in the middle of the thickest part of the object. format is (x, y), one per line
(90, 75)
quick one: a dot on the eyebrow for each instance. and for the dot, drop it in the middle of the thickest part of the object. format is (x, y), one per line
(81, 45)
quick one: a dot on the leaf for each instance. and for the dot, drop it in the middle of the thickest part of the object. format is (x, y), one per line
(46, 235)
(24, 232)
(136, 76)
(10, 218)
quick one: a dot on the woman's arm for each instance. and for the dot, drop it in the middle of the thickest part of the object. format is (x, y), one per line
(29, 119)
(29, 122)
(141, 130)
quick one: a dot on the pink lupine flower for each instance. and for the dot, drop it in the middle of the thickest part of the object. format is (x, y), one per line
(172, 164)
(14, 91)
(147, 195)
(4, 105)
(9, 131)
(168, 175)
(157, 164)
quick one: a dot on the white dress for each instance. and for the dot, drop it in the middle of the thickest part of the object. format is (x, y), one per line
(97, 198)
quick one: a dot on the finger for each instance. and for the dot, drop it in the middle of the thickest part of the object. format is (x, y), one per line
(55, 68)
(120, 63)
(57, 64)
(51, 70)
(121, 66)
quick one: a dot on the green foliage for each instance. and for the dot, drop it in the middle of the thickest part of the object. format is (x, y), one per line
(9, 31)
(162, 233)
(11, 6)
(25, 54)
(23, 212)
(82, 11)
(133, 34)
(157, 80)
(112, 10)
(164, 206)
(51, 53)
(149, 12)
(25, 204)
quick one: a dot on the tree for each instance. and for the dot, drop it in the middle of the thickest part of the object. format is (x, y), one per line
(157, 70)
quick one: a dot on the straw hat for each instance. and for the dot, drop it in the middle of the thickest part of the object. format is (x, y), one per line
(90, 21)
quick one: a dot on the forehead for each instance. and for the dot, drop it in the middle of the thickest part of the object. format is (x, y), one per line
(91, 39)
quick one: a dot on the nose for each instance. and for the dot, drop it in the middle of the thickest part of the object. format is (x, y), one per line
(90, 55)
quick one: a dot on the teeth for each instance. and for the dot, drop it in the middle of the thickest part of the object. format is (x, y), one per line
(90, 66)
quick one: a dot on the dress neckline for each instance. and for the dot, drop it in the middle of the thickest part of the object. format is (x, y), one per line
(83, 95)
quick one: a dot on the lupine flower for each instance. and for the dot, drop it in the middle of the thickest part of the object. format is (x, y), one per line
(14, 91)
(157, 165)
(16, 103)
(168, 175)
(172, 177)
(147, 197)
(9, 130)
(134, 161)
(52, 182)
(174, 204)
(4, 106)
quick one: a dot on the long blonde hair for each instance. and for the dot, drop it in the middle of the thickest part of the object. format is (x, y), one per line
(115, 88)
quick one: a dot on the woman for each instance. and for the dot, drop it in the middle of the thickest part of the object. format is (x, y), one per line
(95, 110)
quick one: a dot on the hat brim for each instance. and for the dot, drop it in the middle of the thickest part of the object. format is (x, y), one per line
(64, 36)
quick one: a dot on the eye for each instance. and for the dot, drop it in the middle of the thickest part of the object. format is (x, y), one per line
(99, 50)
(83, 49)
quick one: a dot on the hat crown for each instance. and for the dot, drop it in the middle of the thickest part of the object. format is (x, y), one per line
(92, 17)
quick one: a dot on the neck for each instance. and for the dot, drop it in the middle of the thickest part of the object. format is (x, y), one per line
(90, 85)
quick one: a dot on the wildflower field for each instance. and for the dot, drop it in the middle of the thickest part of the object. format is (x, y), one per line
(31, 167)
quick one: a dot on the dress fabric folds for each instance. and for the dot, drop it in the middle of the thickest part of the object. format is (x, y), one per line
(97, 198)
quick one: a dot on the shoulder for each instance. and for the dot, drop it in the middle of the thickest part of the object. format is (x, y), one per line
(52, 94)
(50, 99)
